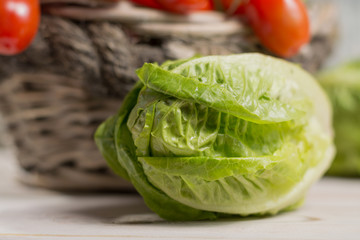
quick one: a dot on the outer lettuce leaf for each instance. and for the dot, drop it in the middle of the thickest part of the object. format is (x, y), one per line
(249, 142)
(105, 135)
(343, 87)
(210, 168)
(125, 151)
(242, 185)
(227, 84)
(105, 140)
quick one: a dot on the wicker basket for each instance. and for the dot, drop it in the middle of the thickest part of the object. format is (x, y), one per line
(80, 66)
(2, 133)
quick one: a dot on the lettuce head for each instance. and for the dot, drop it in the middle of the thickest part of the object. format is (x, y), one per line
(215, 136)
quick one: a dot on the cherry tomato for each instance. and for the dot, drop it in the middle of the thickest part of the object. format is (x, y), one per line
(186, 6)
(236, 7)
(281, 25)
(147, 3)
(110, 1)
(19, 21)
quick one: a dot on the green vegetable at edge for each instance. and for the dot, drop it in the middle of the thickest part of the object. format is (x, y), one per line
(342, 84)
(213, 136)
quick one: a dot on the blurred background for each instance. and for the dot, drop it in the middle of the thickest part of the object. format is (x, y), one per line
(2, 134)
(348, 47)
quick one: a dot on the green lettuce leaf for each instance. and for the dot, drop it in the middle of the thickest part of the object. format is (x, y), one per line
(227, 84)
(215, 136)
(125, 150)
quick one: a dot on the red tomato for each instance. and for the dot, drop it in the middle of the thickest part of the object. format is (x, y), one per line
(186, 6)
(147, 3)
(19, 22)
(231, 7)
(281, 25)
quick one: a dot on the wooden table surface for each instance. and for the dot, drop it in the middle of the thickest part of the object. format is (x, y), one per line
(332, 211)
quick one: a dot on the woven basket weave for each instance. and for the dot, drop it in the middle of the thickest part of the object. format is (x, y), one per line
(82, 63)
